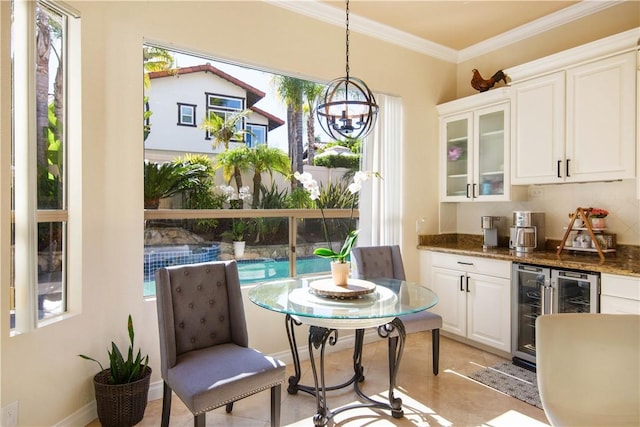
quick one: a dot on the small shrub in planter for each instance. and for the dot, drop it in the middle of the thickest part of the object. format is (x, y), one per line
(122, 389)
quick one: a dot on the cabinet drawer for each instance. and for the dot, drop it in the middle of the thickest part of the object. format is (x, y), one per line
(615, 305)
(471, 264)
(620, 286)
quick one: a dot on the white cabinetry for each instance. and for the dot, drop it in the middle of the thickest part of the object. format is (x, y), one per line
(473, 297)
(577, 124)
(474, 148)
(619, 294)
(537, 153)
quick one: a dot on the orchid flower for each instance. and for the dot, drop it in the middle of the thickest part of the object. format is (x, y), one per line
(311, 186)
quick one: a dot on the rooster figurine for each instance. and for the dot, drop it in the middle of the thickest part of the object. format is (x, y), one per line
(479, 83)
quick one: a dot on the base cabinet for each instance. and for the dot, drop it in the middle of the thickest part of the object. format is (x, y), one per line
(619, 294)
(473, 303)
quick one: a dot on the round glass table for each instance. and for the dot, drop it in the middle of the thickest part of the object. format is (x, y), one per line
(378, 303)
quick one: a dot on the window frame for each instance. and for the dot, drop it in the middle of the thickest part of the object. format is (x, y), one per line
(249, 139)
(181, 115)
(224, 111)
(26, 215)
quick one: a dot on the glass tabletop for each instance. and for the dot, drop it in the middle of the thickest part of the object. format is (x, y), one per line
(387, 299)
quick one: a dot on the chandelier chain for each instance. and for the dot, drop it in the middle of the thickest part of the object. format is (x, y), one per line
(347, 40)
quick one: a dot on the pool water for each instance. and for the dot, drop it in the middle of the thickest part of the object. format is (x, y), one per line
(260, 270)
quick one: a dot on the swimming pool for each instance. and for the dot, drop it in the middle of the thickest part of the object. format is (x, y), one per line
(259, 270)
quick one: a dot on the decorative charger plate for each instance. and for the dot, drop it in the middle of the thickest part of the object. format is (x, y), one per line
(355, 288)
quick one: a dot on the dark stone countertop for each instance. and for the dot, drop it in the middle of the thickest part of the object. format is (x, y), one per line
(625, 261)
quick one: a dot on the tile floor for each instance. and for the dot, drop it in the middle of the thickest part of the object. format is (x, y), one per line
(449, 399)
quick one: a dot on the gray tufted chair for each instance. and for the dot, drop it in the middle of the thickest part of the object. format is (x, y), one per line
(204, 351)
(386, 261)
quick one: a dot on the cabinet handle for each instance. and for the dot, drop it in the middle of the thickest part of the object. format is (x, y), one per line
(559, 163)
(464, 263)
(567, 168)
(461, 288)
(467, 283)
(468, 185)
(475, 193)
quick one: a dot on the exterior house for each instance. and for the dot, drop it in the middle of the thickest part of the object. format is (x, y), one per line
(181, 99)
(40, 368)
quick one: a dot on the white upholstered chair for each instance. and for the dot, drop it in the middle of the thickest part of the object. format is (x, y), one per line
(386, 261)
(204, 353)
(588, 368)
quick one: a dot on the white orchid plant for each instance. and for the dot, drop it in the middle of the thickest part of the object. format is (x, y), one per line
(312, 187)
(244, 194)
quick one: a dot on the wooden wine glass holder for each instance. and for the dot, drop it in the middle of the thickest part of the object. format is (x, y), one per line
(582, 213)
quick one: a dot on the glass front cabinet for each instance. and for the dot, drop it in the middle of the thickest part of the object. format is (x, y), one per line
(474, 150)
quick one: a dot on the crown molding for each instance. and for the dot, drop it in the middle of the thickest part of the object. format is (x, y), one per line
(614, 44)
(334, 16)
(533, 28)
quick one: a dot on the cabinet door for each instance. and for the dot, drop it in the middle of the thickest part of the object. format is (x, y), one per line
(537, 155)
(601, 114)
(455, 157)
(489, 319)
(452, 306)
(490, 155)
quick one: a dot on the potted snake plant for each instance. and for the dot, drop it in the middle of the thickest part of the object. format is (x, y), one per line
(122, 389)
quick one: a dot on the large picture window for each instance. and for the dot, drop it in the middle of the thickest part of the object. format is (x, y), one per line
(40, 87)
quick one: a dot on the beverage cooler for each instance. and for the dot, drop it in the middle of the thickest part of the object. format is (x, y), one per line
(541, 290)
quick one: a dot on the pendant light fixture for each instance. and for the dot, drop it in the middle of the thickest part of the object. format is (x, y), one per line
(347, 108)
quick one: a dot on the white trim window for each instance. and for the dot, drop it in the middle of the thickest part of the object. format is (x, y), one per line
(42, 101)
(257, 135)
(186, 114)
(225, 107)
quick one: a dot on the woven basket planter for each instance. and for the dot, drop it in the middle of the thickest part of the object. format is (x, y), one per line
(121, 405)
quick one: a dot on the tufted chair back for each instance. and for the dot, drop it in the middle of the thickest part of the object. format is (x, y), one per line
(201, 307)
(378, 261)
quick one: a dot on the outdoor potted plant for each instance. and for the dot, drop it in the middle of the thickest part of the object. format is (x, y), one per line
(122, 389)
(239, 228)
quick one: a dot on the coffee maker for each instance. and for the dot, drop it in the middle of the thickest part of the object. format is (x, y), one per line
(527, 233)
(489, 231)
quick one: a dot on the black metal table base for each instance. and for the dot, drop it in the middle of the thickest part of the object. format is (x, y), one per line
(318, 339)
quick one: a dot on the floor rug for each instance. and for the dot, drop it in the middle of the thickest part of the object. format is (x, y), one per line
(512, 380)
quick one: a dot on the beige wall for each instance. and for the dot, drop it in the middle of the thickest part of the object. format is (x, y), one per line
(40, 369)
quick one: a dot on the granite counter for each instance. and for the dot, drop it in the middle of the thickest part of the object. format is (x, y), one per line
(625, 261)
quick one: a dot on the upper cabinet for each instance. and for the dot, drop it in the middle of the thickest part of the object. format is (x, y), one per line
(474, 148)
(576, 125)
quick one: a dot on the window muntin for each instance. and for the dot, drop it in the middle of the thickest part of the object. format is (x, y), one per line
(39, 163)
(186, 114)
(257, 135)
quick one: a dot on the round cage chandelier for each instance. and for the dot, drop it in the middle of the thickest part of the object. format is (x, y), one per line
(347, 108)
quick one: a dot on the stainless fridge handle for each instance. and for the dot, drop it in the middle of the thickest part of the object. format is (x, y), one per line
(543, 298)
(551, 299)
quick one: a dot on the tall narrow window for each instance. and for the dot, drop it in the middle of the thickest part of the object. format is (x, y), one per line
(39, 161)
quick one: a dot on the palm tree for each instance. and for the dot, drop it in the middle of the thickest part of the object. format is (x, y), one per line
(233, 162)
(291, 91)
(153, 59)
(311, 92)
(223, 130)
(266, 159)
